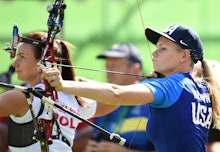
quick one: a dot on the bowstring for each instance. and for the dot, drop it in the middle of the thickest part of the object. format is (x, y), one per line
(143, 26)
(98, 70)
(149, 50)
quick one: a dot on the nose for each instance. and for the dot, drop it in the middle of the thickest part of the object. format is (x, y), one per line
(155, 54)
(15, 64)
(109, 68)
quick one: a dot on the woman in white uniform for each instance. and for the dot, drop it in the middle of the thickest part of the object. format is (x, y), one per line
(25, 120)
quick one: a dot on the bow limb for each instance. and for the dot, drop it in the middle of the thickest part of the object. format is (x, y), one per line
(149, 50)
(142, 21)
(54, 23)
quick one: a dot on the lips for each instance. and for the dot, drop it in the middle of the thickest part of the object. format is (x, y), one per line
(17, 71)
(154, 62)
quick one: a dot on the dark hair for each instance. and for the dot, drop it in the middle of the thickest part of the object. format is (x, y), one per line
(61, 52)
(62, 56)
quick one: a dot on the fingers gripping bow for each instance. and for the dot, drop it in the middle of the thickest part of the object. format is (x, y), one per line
(54, 23)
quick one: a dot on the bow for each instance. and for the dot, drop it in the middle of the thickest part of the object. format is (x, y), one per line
(56, 27)
(54, 23)
(56, 13)
(142, 21)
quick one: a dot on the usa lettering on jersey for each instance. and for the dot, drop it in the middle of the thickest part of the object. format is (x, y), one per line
(201, 114)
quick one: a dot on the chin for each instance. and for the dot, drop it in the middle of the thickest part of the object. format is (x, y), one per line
(156, 69)
(20, 78)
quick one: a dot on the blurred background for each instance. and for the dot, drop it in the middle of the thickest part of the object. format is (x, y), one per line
(94, 25)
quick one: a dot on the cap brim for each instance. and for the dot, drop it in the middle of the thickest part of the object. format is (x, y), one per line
(113, 54)
(153, 35)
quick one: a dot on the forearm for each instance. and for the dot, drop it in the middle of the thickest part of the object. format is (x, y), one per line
(108, 93)
(102, 92)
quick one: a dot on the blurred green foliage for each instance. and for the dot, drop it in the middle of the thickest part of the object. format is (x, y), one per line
(93, 26)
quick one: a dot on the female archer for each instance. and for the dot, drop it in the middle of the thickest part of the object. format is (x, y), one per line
(181, 108)
(36, 126)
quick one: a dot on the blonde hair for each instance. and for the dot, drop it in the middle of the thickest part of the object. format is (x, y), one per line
(209, 74)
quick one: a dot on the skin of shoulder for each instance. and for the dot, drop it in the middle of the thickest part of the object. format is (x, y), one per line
(13, 102)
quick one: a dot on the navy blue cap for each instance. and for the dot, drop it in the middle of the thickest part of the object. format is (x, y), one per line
(183, 36)
(120, 50)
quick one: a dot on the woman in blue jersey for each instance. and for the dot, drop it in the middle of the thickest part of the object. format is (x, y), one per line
(181, 107)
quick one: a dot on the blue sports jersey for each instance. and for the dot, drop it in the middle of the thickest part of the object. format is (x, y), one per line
(181, 114)
(125, 122)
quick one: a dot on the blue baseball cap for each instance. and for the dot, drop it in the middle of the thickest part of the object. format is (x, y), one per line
(120, 50)
(183, 36)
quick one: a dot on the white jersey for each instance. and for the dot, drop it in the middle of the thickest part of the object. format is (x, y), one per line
(67, 122)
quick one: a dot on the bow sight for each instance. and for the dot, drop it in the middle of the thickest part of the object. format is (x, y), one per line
(16, 38)
(54, 26)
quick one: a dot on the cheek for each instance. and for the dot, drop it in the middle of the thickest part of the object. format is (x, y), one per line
(166, 63)
(171, 57)
(31, 66)
(171, 64)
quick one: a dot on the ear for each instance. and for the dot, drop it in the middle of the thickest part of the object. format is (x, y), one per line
(39, 70)
(137, 68)
(185, 55)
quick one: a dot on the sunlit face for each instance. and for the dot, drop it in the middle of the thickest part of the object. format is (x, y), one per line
(166, 58)
(119, 65)
(26, 64)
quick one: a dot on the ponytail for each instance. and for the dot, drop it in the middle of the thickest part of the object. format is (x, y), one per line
(213, 83)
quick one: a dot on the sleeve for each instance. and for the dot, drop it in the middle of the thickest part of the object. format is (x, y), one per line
(89, 111)
(166, 90)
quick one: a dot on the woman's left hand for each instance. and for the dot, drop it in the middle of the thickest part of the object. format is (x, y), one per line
(54, 78)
